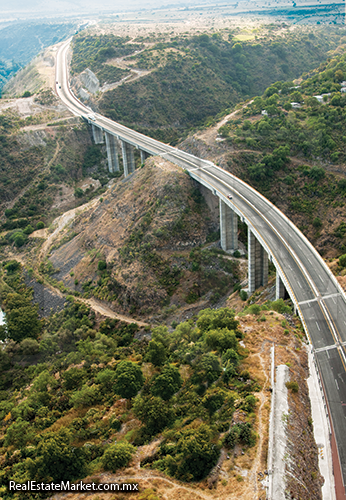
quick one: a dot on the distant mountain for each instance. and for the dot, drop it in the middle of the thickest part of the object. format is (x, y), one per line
(21, 41)
(66, 7)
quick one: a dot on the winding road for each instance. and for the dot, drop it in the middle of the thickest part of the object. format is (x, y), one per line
(316, 294)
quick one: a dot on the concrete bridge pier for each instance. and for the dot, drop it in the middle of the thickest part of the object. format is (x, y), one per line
(144, 155)
(257, 262)
(128, 158)
(112, 153)
(280, 288)
(97, 134)
(228, 227)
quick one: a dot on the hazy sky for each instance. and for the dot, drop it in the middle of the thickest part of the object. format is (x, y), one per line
(86, 5)
(35, 8)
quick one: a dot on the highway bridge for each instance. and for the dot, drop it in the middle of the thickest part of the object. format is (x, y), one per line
(317, 297)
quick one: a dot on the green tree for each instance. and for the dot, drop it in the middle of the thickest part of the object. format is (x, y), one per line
(23, 322)
(342, 260)
(19, 434)
(129, 379)
(272, 110)
(79, 193)
(102, 265)
(153, 412)
(230, 357)
(317, 173)
(339, 75)
(19, 239)
(73, 378)
(264, 127)
(221, 339)
(213, 399)
(29, 346)
(249, 403)
(280, 307)
(167, 383)
(117, 456)
(106, 379)
(317, 223)
(87, 396)
(44, 381)
(12, 266)
(196, 453)
(313, 102)
(56, 459)
(156, 353)
(213, 319)
(207, 369)
(240, 433)
(29, 229)
(296, 96)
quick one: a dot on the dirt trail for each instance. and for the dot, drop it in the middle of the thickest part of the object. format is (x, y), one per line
(56, 152)
(106, 311)
(43, 126)
(145, 474)
(134, 75)
(96, 305)
(209, 135)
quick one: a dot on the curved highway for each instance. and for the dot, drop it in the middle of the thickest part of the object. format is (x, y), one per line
(317, 296)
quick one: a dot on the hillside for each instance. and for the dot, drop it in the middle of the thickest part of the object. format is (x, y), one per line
(294, 156)
(124, 354)
(21, 41)
(138, 247)
(187, 80)
(49, 163)
(181, 414)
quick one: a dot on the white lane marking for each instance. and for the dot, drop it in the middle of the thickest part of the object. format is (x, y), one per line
(309, 261)
(299, 284)
(327, 348)
(299, 246)
(337, 385)
(320, 278)
(318, 326)
(333, 300)
(328, 354)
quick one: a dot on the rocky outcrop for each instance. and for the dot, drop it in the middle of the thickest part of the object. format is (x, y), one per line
(86, 83)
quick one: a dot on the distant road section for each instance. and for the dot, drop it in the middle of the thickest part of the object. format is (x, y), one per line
(316, 294)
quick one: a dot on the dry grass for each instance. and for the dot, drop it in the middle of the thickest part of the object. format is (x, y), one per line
(239, 472)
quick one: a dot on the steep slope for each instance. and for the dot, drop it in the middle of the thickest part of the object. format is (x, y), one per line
(49, 163)
(193, 78)
(293, 153)
(184, 413)
(138, 246)
(21, 41)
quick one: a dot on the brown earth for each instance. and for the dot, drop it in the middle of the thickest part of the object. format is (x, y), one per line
(240, 475)
(208, 144)
(152, 201)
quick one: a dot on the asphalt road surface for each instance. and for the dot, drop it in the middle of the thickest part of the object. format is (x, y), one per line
(317, 296)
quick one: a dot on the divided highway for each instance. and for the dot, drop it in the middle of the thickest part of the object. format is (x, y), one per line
(317, 296)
